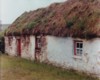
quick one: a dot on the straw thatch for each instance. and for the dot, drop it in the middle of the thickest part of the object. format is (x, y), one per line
(75, 18)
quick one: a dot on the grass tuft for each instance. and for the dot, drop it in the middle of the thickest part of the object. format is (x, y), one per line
(16, 68)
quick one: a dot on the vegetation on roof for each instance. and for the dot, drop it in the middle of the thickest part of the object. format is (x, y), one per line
(76, 18)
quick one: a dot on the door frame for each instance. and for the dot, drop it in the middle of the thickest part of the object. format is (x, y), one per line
(37, 48)
(19, 47)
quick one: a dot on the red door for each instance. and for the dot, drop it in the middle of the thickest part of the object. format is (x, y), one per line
(19, 47)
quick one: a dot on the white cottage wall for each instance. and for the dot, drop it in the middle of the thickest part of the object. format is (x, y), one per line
(13, 47)
(32, 47)
(60, 52)
(25, 50)
(92, 55)
(6, 45)
(28, 50)
(10, 49)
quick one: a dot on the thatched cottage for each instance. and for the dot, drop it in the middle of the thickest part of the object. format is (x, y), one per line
(63, 34)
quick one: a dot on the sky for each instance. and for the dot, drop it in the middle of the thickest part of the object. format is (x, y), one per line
(11, 9)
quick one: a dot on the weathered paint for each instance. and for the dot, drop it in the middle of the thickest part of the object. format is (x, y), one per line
(60, 52)
(27, 46)
(43, 53)
(32, 47)
(10, 47)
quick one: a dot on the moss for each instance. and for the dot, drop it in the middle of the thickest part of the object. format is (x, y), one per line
(81, 24)
(31, 25)
(75, 15)
(88, 0)
(71, 22)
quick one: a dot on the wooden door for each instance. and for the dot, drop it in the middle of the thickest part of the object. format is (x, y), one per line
(19, 47)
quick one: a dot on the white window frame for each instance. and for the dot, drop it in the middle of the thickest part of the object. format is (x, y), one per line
(78, 48)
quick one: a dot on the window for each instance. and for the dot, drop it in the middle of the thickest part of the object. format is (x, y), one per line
(38, 42)
(78, 48)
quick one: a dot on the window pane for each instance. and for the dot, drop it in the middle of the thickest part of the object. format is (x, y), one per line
(77, 51)
(80, 51)
(77, 45)
(81, 45)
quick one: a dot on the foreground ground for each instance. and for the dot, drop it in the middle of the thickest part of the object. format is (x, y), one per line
(15, 68)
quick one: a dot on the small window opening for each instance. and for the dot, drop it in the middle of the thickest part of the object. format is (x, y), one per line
(38, 42)
(78, 48)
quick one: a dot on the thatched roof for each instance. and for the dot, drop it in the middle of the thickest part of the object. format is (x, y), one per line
(75, 18)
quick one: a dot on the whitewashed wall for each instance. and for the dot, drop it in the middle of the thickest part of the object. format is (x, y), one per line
(25, 48)
(32, 47)
(6, 45)
(11, 49)
(92, 55)
(60, 52)
(28, 51)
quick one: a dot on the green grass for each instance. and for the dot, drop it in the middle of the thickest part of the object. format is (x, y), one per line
(16, 68)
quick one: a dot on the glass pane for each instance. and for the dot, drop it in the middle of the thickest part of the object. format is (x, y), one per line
(77, 45)
(81, 45)
(77, 51)
(81, 52)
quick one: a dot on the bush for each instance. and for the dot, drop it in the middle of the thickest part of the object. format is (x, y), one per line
(2, 44)
(81, 24)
